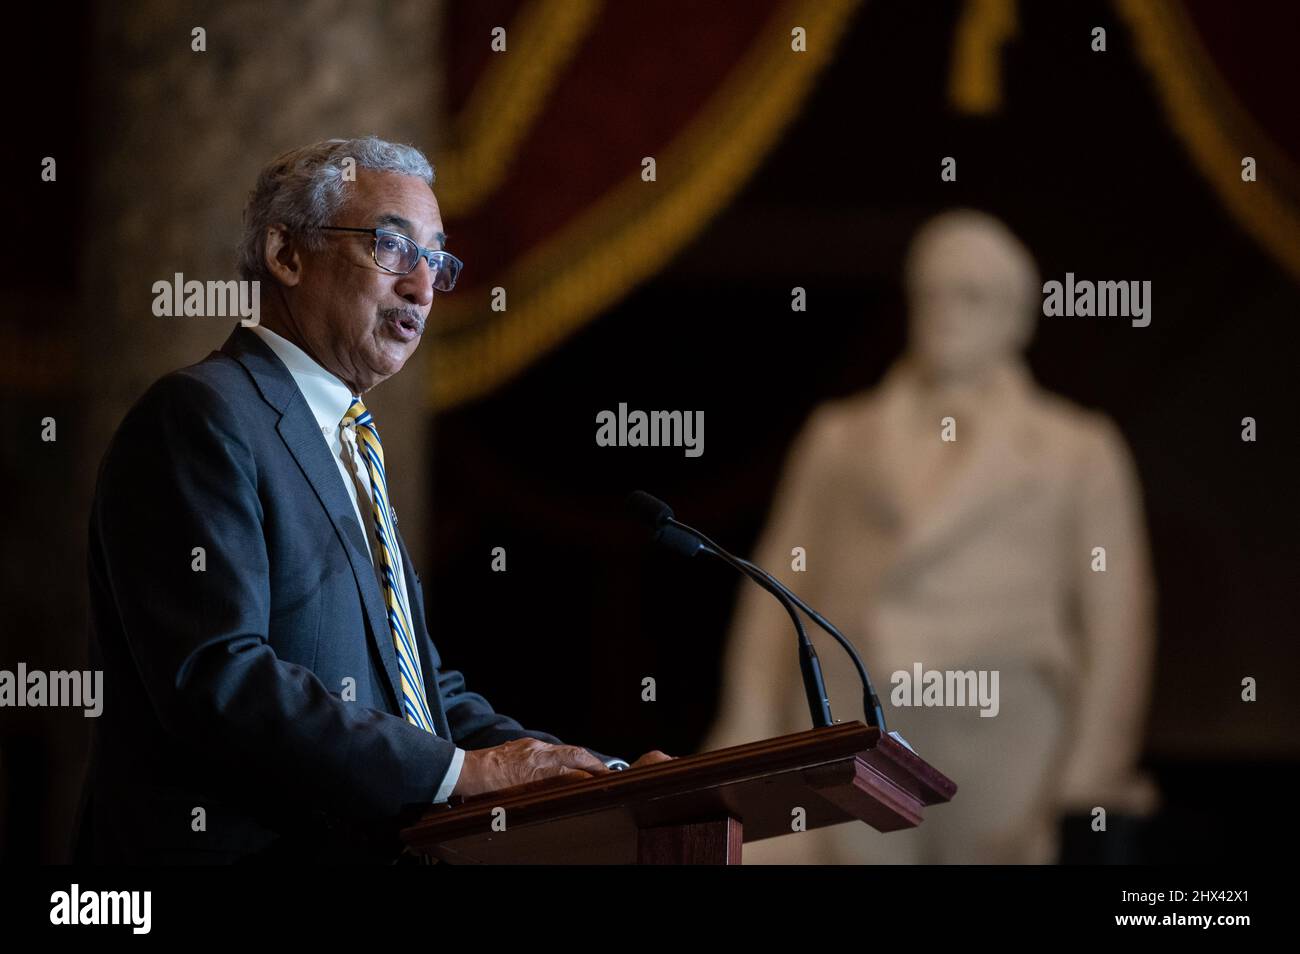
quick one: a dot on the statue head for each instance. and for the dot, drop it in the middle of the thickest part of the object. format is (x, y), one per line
(973, 293)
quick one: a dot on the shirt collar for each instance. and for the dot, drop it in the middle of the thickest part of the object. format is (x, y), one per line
(327, 396)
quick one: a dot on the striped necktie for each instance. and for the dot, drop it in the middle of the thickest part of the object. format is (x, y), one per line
(414, 703)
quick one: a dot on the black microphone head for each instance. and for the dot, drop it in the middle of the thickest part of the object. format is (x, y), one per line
(651, 511)
(679, 540)
(658, 518)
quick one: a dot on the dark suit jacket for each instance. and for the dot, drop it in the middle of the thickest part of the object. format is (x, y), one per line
(224, 686)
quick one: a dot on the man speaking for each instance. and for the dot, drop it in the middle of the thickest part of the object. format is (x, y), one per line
(271, 688)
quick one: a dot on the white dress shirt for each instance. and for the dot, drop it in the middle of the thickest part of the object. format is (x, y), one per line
(329, 399)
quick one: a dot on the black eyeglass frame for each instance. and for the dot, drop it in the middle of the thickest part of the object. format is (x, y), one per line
(421, 253)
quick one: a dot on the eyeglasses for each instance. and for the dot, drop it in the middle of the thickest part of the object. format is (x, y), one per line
(396, 253)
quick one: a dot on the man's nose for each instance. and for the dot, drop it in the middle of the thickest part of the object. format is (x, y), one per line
(416, 286)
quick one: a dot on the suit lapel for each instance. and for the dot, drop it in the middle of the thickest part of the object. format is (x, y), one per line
(302, 437)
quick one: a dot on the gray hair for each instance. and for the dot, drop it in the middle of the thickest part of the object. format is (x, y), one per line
(304, 189)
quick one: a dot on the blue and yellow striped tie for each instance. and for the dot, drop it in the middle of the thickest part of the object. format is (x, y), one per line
(414, 703)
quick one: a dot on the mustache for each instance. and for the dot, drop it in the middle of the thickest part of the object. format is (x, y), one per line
(397, 314)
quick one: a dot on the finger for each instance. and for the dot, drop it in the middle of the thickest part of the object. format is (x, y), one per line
(577, 757)
(553, 778)
(651, 758)
(571, 774)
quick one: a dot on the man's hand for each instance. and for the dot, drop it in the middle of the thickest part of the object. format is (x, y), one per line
(522, 761)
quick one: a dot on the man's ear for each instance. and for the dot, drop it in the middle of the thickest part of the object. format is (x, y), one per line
(282, 258)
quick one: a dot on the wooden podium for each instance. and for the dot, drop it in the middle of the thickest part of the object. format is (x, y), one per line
(693, 810)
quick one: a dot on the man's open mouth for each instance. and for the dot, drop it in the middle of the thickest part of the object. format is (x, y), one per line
(405, 326)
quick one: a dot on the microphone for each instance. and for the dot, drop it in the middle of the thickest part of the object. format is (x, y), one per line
(658, 516)
(677, 536)
(684, 541)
